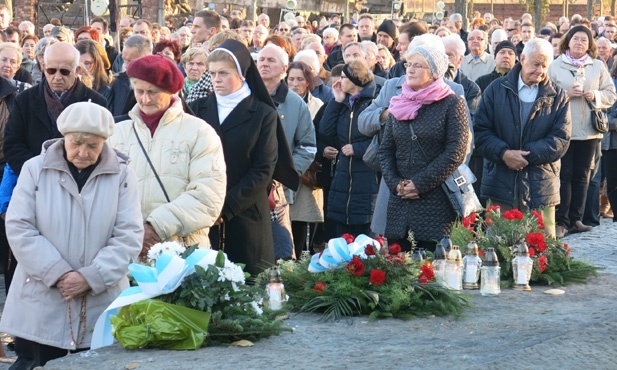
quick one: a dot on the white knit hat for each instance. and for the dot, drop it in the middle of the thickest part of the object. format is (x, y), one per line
(86, 117)
(436, 57)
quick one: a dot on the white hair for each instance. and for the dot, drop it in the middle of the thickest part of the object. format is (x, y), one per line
(282, 54)
(309, 57)
(499, 35)
(603, 39)
(456, 40)
(538, 45)
(368, 46)
(330, 32)
(455, 16)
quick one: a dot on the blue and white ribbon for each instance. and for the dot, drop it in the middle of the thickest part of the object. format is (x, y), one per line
(164, 278)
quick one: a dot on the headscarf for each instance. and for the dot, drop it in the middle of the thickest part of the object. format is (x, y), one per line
(285, 170)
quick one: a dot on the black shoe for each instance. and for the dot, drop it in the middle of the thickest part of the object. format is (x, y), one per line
(11, 346)
(23, 363)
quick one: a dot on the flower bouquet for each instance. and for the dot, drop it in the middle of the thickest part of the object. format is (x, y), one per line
(363, 276)
(552, 263)
(186, 298)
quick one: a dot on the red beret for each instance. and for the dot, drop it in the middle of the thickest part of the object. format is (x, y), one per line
(158, 70)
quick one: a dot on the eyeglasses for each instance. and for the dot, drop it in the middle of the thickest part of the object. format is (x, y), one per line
(63, 71)
(283, 29)
(415, 66)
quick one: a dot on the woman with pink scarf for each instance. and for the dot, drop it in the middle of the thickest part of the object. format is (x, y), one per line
(588, 84)
(415, 166)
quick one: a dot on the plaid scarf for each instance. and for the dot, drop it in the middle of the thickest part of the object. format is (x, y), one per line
(201, 89)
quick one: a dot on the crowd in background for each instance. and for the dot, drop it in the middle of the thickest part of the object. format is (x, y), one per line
(266, 140)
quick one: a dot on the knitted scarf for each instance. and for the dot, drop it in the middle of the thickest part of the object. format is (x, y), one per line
(56, 105)
(406, 106)
(578, 62)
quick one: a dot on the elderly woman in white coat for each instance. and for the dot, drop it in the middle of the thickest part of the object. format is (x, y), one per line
(178, 158)
(74, 224)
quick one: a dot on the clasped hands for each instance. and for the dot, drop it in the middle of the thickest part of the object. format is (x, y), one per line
(72, 285)
(515, 159)
(407, 190)
(577, 91)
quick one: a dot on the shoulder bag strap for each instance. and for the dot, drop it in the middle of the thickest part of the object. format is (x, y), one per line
(141, 145)
(414, 138)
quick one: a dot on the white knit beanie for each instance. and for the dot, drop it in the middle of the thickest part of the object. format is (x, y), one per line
(436, 57)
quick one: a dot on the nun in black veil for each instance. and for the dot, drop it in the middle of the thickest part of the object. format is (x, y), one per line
(256, 151)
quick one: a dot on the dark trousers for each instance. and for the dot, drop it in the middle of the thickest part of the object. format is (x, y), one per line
(32, 354)
(302, 230)
(609, 167)
(9, 263)
(591, 216)
(476, 164)
(354, 230)
(574, 177)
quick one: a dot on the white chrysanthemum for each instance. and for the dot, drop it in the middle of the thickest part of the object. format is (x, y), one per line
(173, 248)
(256, 308)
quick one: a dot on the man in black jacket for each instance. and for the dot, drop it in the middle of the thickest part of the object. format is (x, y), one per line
(122, 96)
(522, 129)
(33, 118)
(505, 59)
(347, 34)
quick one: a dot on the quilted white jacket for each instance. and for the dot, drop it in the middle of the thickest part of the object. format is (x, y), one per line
(188, 157)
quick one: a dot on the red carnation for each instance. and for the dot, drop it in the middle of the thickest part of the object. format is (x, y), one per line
(369, 250)
(355, 266)
(377, 277)
(466, 222)
(380, 240)
(542, 261)
(488, 221)
(495, 209)
(481, 253)
(427, 271)
(532, 252)
(320, 286)
(513, 214)
(394, 248)
(536, 240)
(348, 238)
(566, 248)
(396, 258)
(422, 279)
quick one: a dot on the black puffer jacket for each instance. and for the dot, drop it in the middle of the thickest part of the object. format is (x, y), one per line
(354, 188)
(443, 133)
(546, 136)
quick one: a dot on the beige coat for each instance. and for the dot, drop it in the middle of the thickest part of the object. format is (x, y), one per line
(53, 229)
(597, 79)
(308, 205)
(188, 157)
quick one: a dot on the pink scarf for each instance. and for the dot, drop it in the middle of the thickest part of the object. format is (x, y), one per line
(406, 106)
(579, 62)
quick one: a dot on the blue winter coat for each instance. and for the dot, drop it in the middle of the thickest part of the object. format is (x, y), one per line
(354, 188)
(546, 135)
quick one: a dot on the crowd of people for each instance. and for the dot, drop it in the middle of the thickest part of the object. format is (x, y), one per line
(266, 140)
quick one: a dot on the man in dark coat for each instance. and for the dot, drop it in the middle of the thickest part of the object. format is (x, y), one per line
(505, 59)
(33, 119)
(122, 95)
(347, 34)
(522, 129)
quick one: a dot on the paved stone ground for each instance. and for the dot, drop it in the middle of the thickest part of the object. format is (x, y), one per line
(522, 330)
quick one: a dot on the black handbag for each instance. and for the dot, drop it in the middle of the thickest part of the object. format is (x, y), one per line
(458, 186)
(599, 120)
